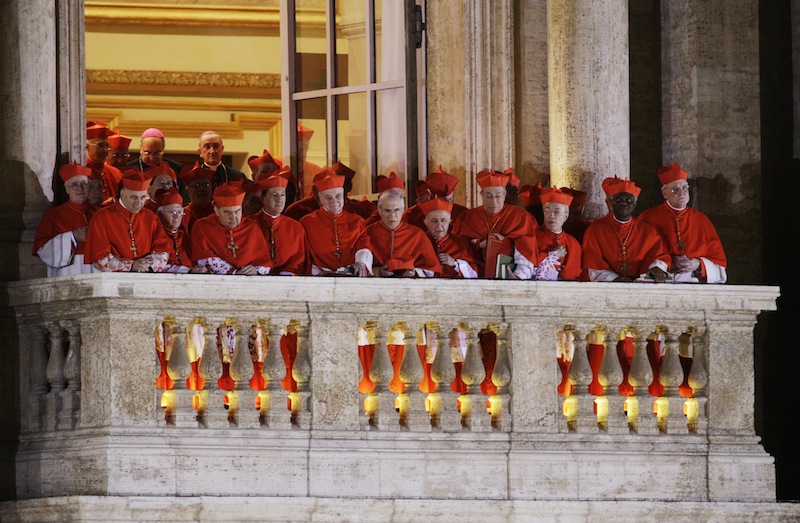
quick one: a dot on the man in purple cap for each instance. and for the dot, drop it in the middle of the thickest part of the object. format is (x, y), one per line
(151, 152)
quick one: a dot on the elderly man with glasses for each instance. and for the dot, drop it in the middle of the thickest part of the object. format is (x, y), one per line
(61, 236)
(97, 149)
(690, 237)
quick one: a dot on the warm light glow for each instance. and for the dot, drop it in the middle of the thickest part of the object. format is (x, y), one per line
(428, 403)
(662, 411)
(200, 401)
(294, 401)
(632, 408)
(231, 401)
(168, 401)
(495, 406)
(601, 404)
(434, 403)
(402, 404)
(465, 405)
(691, 409)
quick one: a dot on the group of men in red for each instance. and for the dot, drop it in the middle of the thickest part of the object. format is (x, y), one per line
(132, 217)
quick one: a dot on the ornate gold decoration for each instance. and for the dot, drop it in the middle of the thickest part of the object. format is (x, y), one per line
(182, 83)
(97, 13)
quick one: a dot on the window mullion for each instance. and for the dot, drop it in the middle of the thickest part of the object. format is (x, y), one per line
(372, 135)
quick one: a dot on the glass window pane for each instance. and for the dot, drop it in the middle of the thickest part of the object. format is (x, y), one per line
(312, 140)
(391, 132)
(311, 46)
(352, 147)
(389, 40)
(351, 42)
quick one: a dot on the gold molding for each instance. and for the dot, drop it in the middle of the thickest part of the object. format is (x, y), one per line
(138, 15)
(188, 104)
(183, 83)
(240, 122)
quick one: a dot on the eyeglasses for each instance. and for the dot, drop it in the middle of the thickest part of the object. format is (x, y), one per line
(101, 145)
(679, 189)
(78, 185)
(174, 214)
(152, 153)
(165, 183)
(200, 185)
(121, 155)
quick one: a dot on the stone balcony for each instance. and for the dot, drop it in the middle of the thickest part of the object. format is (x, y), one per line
(116, 421)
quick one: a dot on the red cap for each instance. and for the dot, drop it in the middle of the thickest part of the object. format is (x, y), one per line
(168, 197)
(555, 195)
(441, 183)
(615, 185)
(96, 130)
(530, 194)
(191, 173)
(255, 161)
(117, 141)
(69, 170)
(266, 182)
(435, 204)
(490, 178)
(135, 180)
(512, 178)
(342, 170)
(670, 174)
(304, 133)
(390, 182)
(229, 194)
(162, 168)
(421, 187)
(578, 197)
(328, 180)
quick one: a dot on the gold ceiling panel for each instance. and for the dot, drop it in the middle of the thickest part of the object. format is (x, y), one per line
(183, 83)
(185, 128)
(195, 15)
(189, 104)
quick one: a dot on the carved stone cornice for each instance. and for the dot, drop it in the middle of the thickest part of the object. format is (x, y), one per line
(182, 83)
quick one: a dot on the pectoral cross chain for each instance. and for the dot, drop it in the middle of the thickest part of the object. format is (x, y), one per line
(232, 245)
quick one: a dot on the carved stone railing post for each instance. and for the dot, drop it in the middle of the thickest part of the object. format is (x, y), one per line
(610, 376)
(413, 414)
(71, 396)
(640, 408)
(211, 368)
(442, 373)
(242, 372)
(179, 368)
(202, 370)
(276, 413)
(473, 403)
(698, 379)
(301, 372)
(501, 377)
(670, 415)
(37, 371)
(580, 376)
(55, 377)
(383, 414)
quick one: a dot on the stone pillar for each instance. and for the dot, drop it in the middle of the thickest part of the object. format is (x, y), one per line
(588, 93)
(470, 104)
(711, 118)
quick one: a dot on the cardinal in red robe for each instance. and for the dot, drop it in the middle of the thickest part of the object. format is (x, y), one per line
(400, 249)
(61, 236)
(337, 239)
(619, 247)
(458, 257)
(97, 148)
(494, 221)
(688, 234)
(124, 236)
(227, 243)
(559, 253)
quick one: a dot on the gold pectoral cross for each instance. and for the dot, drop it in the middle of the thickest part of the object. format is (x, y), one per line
(232, 246)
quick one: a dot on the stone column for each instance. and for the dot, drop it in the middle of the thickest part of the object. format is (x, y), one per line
(471, 96)
(711, 118)
(588, 94)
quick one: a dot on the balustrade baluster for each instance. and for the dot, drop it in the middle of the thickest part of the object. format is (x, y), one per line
(580, 376)
(698, 379)
(670, 415)
(275, 413)
(384, 414)
(473, 402)
(301, 372)
(501, 377)
(610, 406)
(212, 370)
(55, 377)
(442, 403)
(413, 414)
(640, 376)
(242, 372)
(37, 372)
(179, 368)
(71, 396)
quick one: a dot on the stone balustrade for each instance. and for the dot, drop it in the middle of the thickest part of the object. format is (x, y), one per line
(376, 388)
